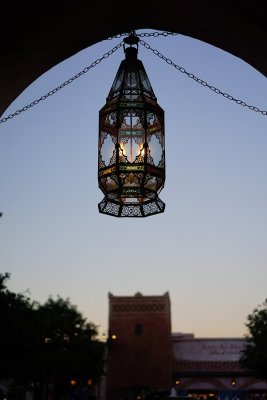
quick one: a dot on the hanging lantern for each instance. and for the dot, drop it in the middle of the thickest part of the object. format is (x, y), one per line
(131, 159)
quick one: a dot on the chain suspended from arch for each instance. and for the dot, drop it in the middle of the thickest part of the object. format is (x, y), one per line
(70, 80)
(201, 81)
(148, 47)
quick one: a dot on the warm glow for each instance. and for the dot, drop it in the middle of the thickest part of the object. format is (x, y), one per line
(113, 337)
(89, 382)
(73, 382)
(177, 382)
(139, 150)
(123, 150)
(129, 175)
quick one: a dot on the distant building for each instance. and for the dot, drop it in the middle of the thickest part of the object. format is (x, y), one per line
(144, 356)
(140, 346)
(209, 369)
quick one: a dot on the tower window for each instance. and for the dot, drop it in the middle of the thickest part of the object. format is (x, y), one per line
(138, 329)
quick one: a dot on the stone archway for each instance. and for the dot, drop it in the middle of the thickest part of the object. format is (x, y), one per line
(34, 39)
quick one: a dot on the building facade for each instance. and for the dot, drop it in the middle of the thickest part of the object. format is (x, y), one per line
(209, 369)
(139, 345)
(144, 357)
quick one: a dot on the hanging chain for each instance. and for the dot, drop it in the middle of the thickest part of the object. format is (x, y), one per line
(145, 34)
(147, 46)
(70, 80)
(201, 81)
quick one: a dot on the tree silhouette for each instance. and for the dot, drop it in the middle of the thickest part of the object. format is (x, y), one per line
(47, 345)
(69, 349)
(16, 333)
(254, 355)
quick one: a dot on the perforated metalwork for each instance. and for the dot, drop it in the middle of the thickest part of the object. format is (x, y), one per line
(131, 144)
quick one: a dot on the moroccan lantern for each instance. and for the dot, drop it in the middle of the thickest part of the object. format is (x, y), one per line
(131, 158)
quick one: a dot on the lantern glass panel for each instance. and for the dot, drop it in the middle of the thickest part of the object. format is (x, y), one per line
(131, 136)
(145, 82)
(156, 150)
(110, 183)
(107, 149)
(117, 82)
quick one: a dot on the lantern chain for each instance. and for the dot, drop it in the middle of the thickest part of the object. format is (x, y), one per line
(70, 80)
(145, 34)
(201, 81)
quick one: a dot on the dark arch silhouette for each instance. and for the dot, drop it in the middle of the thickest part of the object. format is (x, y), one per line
(35, 36)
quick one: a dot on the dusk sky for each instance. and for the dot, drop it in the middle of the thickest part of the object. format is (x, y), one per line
(208, 249)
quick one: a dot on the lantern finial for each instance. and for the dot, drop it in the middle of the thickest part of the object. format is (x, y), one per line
(131, 39)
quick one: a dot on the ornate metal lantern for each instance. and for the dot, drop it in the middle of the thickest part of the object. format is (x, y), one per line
(131, 159)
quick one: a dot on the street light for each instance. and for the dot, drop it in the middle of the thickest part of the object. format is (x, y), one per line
(131, 154)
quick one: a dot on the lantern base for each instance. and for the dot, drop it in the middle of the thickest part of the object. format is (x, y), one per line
(118, 209)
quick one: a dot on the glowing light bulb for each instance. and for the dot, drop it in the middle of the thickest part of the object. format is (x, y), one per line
(142, 150)
(122, 149)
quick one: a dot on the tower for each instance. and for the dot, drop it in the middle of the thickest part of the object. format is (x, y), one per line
(139, 345)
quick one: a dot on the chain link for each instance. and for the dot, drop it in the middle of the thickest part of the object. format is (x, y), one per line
(201, 81)
(145, 34)
(70, 80)
(147, 46)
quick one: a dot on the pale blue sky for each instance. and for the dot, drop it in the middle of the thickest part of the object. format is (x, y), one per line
(208, 249)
